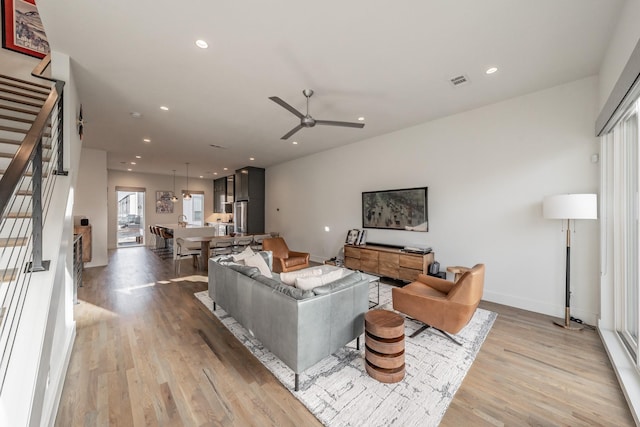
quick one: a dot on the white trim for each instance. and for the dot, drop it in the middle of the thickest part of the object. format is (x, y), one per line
(50, 418)
(627, 374)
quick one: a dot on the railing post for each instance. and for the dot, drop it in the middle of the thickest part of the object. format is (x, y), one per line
(36, 214)
(59, 170)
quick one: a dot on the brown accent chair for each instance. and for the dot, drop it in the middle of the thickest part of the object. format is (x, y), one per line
(285, 260)
(441, 304)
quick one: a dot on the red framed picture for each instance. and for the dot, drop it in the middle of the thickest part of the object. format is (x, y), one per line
(22, 28)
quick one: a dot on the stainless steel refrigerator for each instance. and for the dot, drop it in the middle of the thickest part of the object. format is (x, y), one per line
(240, 217)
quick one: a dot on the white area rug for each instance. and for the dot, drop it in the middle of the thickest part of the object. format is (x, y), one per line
(339, 392)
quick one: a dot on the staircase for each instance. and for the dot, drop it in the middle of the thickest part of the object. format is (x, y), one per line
(30, 161)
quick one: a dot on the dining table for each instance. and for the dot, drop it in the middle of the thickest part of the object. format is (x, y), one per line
(205, 243)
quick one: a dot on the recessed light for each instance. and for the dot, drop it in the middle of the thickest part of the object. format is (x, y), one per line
(225, 169)
(491, 70)
(215, 173)
(163, 108)
(135, 114)
(138, 157)
(147, 140)
(251, 158)
(133, 163)
(129, 169)
(202, 44)
(295, 142)
(201, 176)
(361, 118)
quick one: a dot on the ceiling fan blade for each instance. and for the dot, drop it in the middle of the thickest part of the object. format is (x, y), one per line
(345, 124)
(292, 131)
(283, 104)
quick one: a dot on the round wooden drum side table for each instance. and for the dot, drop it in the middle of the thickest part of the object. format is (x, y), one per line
(384, 345)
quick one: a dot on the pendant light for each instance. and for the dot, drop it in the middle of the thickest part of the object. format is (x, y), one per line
(187, 195)
(174, 198)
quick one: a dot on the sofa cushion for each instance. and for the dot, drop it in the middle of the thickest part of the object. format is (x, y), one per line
(243, 269)
(308, 283)
(341, 283)
(243, 255)
(290, 277)
(257, 260)
(284, 289)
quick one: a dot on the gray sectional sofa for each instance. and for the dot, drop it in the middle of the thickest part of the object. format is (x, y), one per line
(299, 327)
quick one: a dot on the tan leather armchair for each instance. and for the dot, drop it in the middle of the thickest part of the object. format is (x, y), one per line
(441, 304)
(285, 260)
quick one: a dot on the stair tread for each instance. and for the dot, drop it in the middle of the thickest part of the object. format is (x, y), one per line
(28, 173)
(18, 130)
(26, 82)
(19, 141)
(18, 109)
(13, 241)
(22, 94)
(21, 101)
(18, 215)
(8, 275)
(11, 155)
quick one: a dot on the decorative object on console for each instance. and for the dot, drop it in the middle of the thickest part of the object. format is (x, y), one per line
(396, 209)
(569, 206)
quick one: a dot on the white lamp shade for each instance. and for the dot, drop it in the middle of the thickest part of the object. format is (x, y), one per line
(570, 206)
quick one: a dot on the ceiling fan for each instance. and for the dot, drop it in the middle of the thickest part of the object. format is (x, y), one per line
(306, 121)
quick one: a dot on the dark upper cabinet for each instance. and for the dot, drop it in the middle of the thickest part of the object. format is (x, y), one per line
(249, 184)
(219, 194)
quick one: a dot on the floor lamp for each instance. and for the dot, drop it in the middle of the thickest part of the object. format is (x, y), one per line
(569, 206)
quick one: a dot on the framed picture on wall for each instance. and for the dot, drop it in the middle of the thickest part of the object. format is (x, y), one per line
(163, 202)
(22, 29)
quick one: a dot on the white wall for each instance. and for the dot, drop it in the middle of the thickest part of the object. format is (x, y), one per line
(153, 183)
(487, 171)
(622, 43)
(91, 201)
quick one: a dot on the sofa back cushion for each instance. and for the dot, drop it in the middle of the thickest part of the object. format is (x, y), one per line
(284, 289)
(341, 283)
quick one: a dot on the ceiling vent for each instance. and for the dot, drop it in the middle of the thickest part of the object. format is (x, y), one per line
(217, 147)
(459, 80)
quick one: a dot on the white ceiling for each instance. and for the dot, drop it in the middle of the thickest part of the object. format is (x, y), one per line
(387, 61)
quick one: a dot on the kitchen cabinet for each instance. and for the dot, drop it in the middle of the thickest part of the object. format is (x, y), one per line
(219, 194)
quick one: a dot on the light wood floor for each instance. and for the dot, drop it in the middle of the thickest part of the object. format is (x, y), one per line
(150, 354)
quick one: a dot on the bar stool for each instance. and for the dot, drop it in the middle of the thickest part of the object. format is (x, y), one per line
(240, 243)
(222, 246)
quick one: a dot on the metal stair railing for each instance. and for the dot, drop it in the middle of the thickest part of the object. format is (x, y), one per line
(26, 189)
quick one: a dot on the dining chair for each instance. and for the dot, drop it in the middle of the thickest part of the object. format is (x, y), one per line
(185, 250)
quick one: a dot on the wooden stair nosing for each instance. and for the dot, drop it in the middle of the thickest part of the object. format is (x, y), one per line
(45, 159)
(41, 91)
(23, 95)
(28, 173)
(6, 242)
(8, 275)
(18, 101)
(27, 82)
(18, 109)
(18, 142)
(18, 130)
(19, 119)
(18, 215)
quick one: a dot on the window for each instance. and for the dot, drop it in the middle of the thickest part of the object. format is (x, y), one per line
(193, 209)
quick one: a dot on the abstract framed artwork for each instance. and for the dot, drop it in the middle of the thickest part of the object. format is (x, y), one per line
(163, 202)
(404, 209)
(22, 28)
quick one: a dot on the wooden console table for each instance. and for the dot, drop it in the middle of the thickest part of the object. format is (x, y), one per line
(386, 261)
